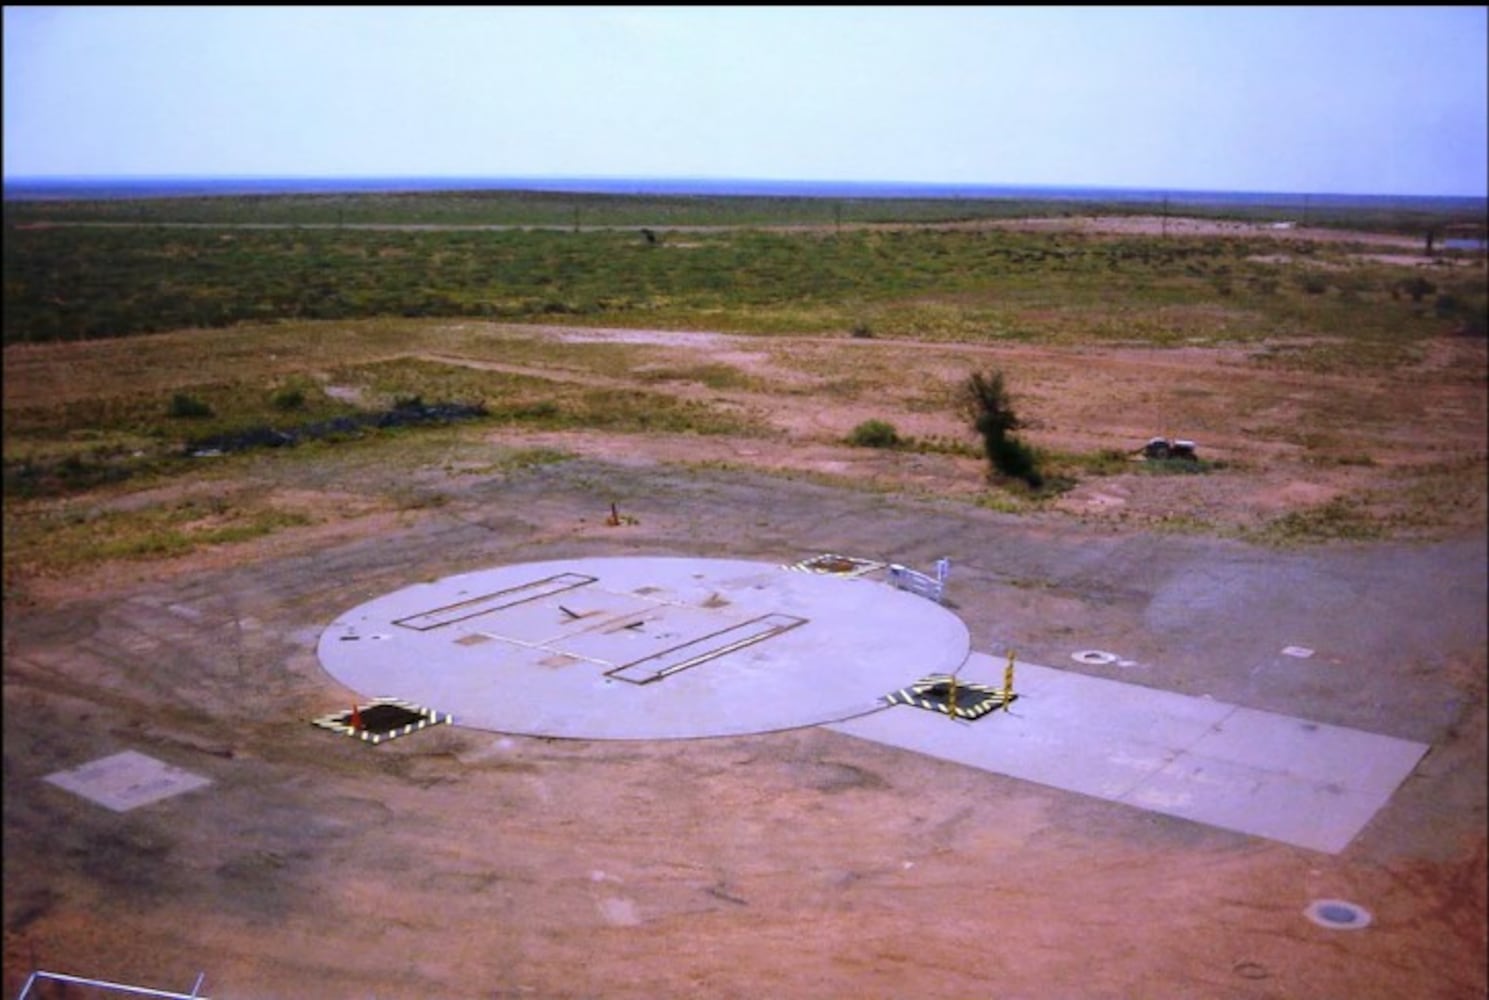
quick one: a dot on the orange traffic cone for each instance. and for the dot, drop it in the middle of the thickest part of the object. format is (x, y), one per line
(356, 720)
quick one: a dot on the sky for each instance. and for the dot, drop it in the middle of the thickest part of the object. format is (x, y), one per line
(1329, 100)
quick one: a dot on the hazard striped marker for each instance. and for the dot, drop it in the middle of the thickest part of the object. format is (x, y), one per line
(382, 719)
(947, 695)
(831, 564)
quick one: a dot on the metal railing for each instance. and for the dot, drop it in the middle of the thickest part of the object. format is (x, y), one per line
(103, 984)
(932, 587)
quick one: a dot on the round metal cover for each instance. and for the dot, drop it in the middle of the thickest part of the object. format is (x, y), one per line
(1337, 914)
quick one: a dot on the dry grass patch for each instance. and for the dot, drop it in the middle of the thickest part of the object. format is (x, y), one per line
(48, 540)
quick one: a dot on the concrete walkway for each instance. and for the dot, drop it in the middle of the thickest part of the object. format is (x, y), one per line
(1260, 773)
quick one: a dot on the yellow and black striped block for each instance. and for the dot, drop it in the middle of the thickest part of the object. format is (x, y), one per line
(949, 696)
(381, 720)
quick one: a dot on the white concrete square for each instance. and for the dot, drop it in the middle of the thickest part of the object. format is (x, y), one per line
(127, 781)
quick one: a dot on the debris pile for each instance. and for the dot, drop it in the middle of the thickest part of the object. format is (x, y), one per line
(403, 414)
(1159, 449)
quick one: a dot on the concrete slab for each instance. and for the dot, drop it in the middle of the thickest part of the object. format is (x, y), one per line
(127, 780)
(643, 648)
(1261, 773)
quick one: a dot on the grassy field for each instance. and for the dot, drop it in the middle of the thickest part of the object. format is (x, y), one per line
(576, 211)
(78, 283)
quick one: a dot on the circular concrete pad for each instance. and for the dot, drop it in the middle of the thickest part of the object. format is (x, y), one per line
(643, 648)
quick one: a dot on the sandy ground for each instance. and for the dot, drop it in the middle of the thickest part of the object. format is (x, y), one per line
(465, 864)
(458, 863)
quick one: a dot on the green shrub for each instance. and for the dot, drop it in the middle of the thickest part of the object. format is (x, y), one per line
(875, 434)
(289, 398)
(183, 405)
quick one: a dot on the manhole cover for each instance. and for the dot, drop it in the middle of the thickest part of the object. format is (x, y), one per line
(1336, 914)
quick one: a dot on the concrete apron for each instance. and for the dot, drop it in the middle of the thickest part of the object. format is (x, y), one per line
(670, 648)
(1275, 776)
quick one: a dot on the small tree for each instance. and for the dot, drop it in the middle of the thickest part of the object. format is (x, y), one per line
(985, 402)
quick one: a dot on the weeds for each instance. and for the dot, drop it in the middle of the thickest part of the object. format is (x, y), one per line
(713, 375)
(1177, 466)
(937, 444)
(1104, 462)
(1340, 519)
(73, 538)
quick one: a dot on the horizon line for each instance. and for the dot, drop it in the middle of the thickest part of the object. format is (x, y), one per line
(613, 179)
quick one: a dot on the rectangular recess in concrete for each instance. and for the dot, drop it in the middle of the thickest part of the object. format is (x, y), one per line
(708, 647)
(127, 781)
(486, 603)
(1281, 777)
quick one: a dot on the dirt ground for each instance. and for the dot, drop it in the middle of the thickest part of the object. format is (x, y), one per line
(465, 864)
